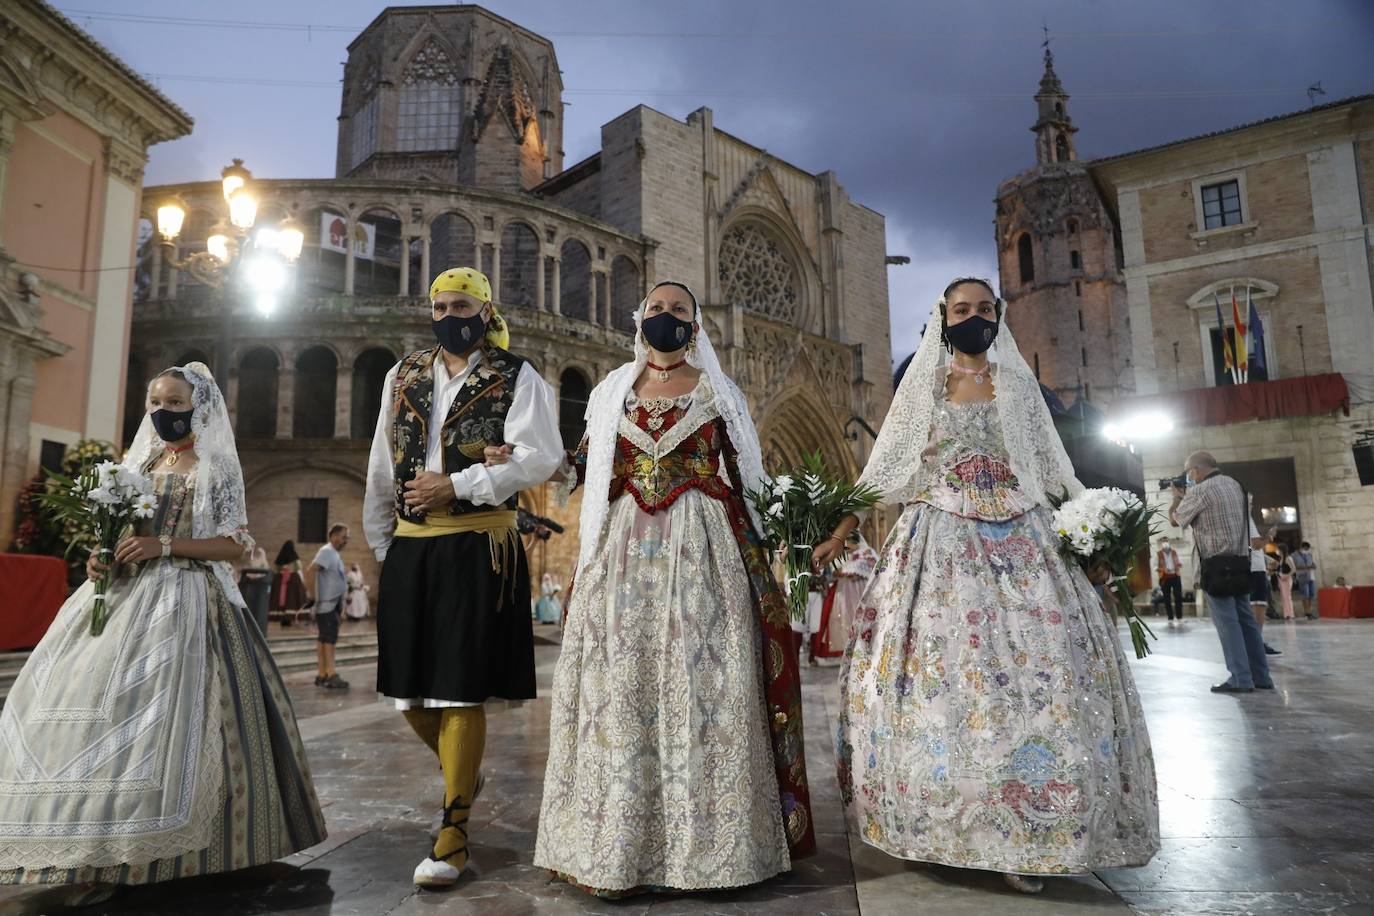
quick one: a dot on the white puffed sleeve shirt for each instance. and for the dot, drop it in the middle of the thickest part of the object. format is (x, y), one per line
(531, 430)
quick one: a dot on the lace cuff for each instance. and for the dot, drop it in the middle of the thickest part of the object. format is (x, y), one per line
(565, 481)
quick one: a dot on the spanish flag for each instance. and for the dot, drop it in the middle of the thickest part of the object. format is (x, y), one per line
(1242, 345)
(1228, 362)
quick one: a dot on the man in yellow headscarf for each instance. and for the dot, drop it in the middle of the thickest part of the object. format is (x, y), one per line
(453, 608)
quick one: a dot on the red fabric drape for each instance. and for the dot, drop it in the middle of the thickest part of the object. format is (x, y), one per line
(1306, 396)
(32, 589)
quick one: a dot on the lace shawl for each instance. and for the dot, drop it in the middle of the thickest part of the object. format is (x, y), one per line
(1035, 451)
(606, 406)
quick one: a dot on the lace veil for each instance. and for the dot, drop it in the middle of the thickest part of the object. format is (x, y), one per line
(606, 407)
(1037, 455)
(219, 508)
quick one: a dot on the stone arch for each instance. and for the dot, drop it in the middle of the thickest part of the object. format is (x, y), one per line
(763, 266)
(316, 382)
(259, 377)
(307, 463)
(452, 242)
(574, 388)
(378, 227)
(1025, 256)
(575, 279)
(627, 288)
(799, 423)
(194, 355)
(369, 374)
(520, 253)
(1061, 148)
(1259, 289)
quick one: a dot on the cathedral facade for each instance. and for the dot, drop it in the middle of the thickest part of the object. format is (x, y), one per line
(449, 153)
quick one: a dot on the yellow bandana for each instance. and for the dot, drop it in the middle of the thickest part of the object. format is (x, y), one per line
(475, 283)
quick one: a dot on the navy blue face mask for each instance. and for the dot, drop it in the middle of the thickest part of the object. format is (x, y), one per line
(666, 333)
(172, 425)
(973, 335)
(459, 335)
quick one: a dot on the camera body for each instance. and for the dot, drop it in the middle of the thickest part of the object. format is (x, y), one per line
(527, 522)
(1181, 481)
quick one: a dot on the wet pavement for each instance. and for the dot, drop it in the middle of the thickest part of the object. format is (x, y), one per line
(1266, 808)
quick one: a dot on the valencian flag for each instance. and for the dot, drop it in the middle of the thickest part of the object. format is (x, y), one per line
(1256, 336)
(1242, 348)
(1228, 363)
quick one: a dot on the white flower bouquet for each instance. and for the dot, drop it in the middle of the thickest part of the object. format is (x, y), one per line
(101, 501)
(799, 508)
(1105, 529)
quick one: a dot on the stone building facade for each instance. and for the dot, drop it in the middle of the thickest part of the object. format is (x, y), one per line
(75, 127)
(790, 272)
(1279, 211)
(1059, 264)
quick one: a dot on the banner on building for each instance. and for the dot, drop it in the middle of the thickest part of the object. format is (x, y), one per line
(334, 235)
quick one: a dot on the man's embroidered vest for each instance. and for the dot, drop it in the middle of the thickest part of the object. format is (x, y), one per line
(476, 420)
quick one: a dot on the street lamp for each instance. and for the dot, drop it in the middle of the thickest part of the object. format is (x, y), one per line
(231, 245)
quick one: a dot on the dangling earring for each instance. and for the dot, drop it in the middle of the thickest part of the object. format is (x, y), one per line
(692, 346)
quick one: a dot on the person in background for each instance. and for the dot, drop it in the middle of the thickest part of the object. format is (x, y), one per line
(548, 609)
(1305, 575)
(288, 588)
(1214, 506)
(1259, 579)
(255, 581)
(356, 606)
(1340, 582)
(1285, 575)
(327, 581)
(1169, 569)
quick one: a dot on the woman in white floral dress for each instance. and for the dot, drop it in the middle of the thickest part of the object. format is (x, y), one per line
(988, 717)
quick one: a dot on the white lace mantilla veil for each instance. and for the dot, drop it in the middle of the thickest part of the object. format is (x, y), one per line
(606, 407)
(219, 509)
(111, 746)
(1037, 455)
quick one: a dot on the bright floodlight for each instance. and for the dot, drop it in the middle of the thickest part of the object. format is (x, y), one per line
(218, 245)
(290, 238)
(267, 238)
(265, 275)
(243, 209)
(266, 304)
(1141, 427)
(170, 216)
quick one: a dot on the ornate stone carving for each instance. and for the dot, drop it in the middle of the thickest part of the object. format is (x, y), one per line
(504, 92)
(757, 272)
(431, 64)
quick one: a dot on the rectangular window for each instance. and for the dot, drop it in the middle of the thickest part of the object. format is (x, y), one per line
(1221, 204)
(1080, 319)
(312, 523)
(1077, 287)
(1075, 260)
(1084, 351)
(50, 455)
(364, 132)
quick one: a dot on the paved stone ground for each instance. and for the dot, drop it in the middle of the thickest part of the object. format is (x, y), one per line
(1266, 803)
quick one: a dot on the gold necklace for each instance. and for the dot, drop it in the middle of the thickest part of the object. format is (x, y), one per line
(174, 454)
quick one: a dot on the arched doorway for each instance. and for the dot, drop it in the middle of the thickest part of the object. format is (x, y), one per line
(316, 382)
(573, 390)
(257, 397)
(519, 265)
(369, 373)
(575, 280)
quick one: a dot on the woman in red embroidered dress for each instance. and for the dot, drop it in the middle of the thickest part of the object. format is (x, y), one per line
(675, 744)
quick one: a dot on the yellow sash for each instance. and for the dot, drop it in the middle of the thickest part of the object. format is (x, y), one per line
(498, 525)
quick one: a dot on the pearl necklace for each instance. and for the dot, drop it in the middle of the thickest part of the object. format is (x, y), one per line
(978, 374)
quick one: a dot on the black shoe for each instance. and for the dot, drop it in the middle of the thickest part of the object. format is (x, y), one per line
(1311, 616)
(1231, 688)
(334, 682)
(1270, 650)
(319, 681)
(1264, 686)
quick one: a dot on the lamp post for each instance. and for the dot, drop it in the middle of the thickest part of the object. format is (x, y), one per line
(231, 250)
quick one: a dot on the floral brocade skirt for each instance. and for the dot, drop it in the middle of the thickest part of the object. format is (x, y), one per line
(988, 717)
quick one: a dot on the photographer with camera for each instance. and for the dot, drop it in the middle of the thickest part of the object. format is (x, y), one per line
(1215, 506)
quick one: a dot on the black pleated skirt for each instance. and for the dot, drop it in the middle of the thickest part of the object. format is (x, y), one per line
(451, 628)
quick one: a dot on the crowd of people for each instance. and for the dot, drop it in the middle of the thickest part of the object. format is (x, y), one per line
(988, 718)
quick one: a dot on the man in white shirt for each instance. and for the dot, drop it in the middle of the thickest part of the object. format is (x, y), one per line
(327, 582)
(453, 624)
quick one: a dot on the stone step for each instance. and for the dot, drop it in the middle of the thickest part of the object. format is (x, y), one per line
(292, 653)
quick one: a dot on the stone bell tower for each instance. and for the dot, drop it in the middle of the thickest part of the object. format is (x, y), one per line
(452, 95)
(1059, 263)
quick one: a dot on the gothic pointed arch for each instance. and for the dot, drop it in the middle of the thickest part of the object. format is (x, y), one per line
(800, 422)
(429, 98)
(506, 96)
(763, 267)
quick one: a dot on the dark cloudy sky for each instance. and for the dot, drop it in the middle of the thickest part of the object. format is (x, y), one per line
(920, 107)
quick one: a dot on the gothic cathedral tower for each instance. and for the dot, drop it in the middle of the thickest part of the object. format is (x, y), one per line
(1059, 264)
(451, 95)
